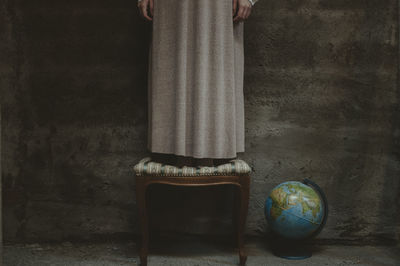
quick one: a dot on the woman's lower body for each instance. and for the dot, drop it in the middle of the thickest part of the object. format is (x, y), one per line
(195, 96)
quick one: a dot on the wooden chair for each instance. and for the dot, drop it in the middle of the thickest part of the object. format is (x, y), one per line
(236, 173)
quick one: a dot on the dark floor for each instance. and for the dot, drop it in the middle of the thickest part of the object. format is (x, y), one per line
(188, 252)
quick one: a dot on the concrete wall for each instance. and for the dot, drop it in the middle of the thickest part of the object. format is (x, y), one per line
(321, 102)
(1, 206)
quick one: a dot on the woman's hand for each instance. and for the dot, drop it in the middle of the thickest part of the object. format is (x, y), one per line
(243, 8)
(144, 6)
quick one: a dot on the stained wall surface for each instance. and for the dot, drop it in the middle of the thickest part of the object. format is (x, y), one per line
(322, 102)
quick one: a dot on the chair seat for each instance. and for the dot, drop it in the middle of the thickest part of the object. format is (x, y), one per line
(148, 167)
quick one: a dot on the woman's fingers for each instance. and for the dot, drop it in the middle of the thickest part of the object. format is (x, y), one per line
(144, 12)
(239, 14)
(143, 5)
(234, 7)
(151, 8)
(247, 13)
(244, 9)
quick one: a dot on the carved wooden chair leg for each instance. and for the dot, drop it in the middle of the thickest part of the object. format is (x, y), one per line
(141, 188)
(243, 209)
(236, 214)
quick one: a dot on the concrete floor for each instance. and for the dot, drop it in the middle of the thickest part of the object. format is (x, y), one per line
(187, 252)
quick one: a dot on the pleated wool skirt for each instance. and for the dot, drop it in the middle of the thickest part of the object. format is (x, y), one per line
(195, 92)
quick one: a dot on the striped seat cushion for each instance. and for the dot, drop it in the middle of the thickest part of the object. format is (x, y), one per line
(234, 167)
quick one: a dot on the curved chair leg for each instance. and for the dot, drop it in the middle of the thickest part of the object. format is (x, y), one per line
(236, 215)
(143, 216)
(240, 212)
(243, 209)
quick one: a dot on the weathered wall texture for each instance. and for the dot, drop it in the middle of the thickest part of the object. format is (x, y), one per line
(321, 102)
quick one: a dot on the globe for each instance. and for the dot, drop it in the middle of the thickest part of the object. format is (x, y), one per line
(296, 210)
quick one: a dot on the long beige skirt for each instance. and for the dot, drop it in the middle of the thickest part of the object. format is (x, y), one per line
(195, 93)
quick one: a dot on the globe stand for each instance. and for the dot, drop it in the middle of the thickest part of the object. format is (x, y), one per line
(291, 249)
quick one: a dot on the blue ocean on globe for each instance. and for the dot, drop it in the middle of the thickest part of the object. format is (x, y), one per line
(294, 210)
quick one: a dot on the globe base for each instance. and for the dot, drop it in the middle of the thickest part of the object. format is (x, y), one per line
(291, 249)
